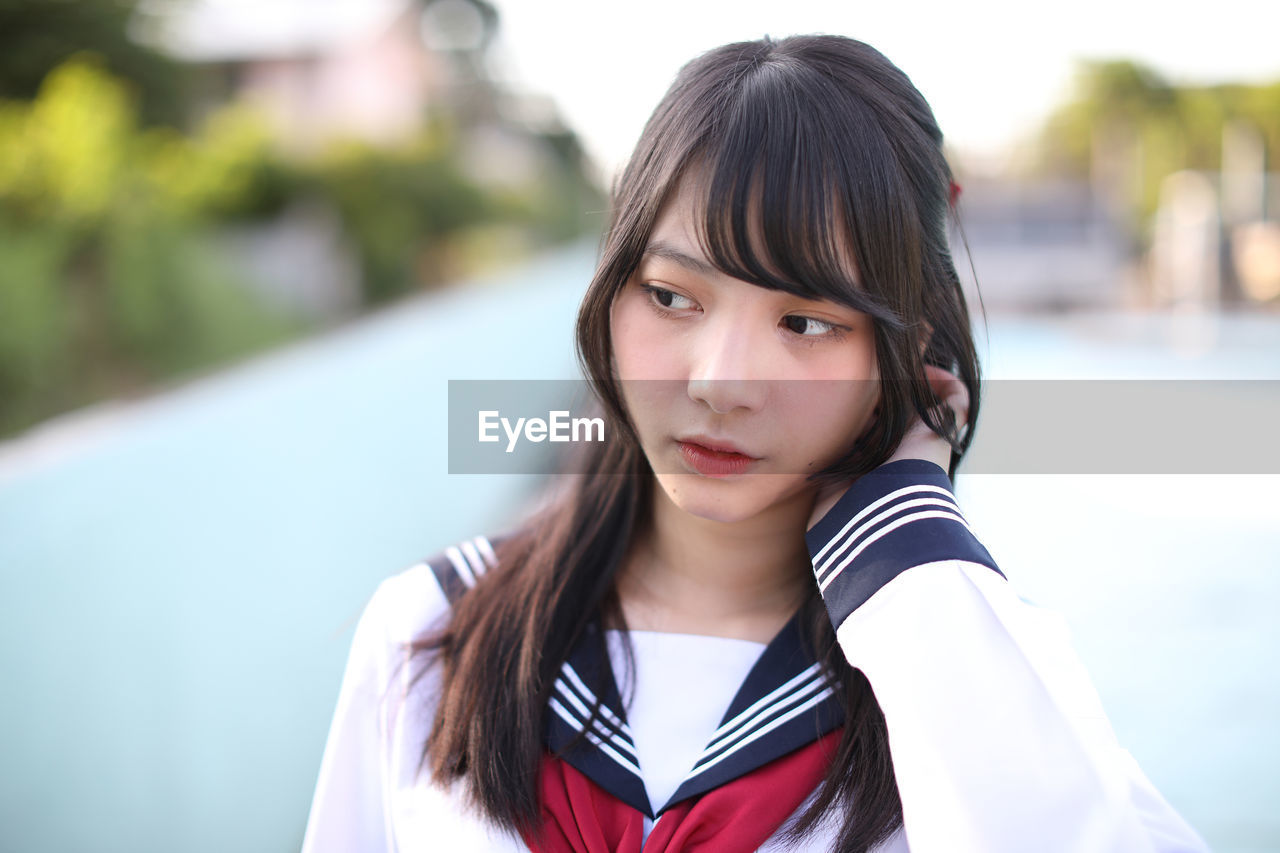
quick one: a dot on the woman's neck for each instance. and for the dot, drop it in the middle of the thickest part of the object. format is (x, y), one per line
(688, 575)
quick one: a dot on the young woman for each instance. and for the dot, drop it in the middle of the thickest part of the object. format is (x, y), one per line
(759, 619)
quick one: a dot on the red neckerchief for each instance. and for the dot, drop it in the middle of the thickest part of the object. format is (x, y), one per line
(580, 817)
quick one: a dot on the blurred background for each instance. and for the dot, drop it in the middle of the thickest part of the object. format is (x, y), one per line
(244, 246)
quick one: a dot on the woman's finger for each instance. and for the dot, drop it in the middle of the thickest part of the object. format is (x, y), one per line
(948, 388)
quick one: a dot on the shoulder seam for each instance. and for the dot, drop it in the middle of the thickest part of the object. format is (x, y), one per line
(457, 568)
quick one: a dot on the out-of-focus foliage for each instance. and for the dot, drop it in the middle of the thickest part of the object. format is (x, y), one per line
(1128, 112)
(418, 218)
(76, 153)
(37, 36)
(568, 202)
(397, 205)
(107, 280)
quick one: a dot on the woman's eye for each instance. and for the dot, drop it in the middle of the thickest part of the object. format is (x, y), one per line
(807, 326)
(667, 298)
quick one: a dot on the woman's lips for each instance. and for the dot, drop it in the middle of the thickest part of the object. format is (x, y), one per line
(714, 463)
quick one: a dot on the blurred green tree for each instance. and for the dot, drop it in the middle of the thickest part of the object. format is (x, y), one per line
(109, 279)
(37, 36)
(1125, 121)
(108, 282)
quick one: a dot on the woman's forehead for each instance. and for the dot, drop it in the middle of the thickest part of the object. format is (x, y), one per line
(678, 217)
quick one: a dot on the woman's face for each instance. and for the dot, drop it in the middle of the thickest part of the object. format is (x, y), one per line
(705, 359)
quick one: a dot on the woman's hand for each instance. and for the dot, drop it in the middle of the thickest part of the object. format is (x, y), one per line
(920, 442)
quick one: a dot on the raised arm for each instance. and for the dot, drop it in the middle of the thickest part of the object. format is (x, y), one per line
(998, 738)
(351, 810)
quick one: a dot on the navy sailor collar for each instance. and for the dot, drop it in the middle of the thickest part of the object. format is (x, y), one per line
(787, 701)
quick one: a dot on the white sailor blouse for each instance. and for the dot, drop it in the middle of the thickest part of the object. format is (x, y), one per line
(998, 738)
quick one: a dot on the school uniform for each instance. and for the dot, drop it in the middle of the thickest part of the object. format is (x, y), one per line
(998, 739)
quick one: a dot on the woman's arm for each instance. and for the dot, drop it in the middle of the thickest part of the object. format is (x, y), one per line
(374, 792)
(372, 745)
(350, 809)
(998, 738)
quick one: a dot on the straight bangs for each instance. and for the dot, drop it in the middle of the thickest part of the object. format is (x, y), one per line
(791, 183)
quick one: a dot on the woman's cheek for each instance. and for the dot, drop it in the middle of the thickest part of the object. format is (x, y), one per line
(641, 348)
(846, 418)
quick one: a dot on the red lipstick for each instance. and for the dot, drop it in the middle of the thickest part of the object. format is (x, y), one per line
(720, 461)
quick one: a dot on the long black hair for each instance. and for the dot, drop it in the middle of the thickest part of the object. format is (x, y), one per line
(809, 150)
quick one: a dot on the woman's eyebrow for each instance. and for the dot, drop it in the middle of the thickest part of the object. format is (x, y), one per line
(668, 252)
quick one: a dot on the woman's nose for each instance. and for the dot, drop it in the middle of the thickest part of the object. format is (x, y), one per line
(727, 365)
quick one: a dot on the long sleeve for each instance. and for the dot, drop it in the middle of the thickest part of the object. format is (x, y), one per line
(350, 809)
(998, 737)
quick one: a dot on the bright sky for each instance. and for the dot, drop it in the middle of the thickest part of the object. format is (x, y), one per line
(990, 68)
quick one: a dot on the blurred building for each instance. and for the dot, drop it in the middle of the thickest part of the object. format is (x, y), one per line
(371, 70)
(1042, 245)
(1047, 245)
(362, 69)
(1216, 236)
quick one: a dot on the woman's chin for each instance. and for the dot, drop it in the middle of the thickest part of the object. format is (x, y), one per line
(726, 500)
